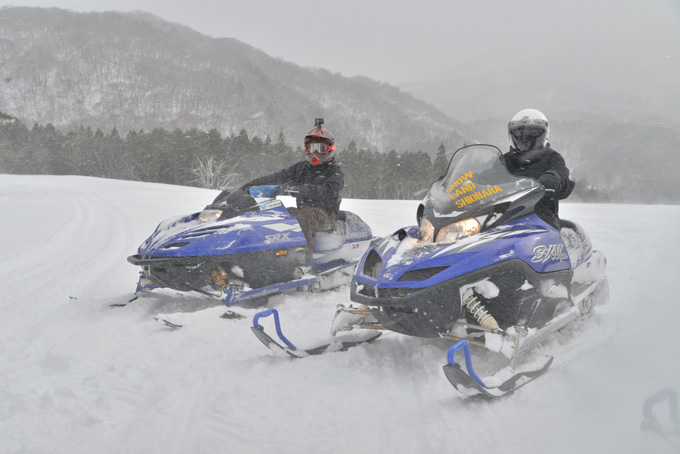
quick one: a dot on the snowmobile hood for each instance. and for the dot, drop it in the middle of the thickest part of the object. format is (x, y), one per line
(402, 260)
(186, 236)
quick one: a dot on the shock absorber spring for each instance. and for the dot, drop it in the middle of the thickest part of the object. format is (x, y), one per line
(219, 276)
(478, 311)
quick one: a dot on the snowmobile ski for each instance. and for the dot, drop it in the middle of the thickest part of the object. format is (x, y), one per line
(169, 324)
(115, 305)
(499, 384)
(228, 315)
(669, 429)
(231, 315)
(335, 345)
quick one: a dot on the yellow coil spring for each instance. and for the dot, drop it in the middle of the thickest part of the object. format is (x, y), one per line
(219, 276)
(480, 313)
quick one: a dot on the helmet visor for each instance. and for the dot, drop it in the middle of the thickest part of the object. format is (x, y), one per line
(526, 133)
(317, 147)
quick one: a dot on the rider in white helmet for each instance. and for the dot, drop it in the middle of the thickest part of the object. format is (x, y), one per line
(530, 155)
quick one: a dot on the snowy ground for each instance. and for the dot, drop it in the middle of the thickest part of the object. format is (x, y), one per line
(77, 376)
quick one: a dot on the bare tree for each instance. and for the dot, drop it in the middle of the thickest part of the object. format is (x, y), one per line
(211, 174)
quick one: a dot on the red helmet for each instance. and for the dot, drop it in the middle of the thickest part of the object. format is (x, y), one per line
(319, 144)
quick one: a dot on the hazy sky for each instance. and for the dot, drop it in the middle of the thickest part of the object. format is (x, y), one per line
(398, 41)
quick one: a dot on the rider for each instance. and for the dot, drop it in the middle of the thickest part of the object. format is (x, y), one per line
(530, 155)
(316, 183)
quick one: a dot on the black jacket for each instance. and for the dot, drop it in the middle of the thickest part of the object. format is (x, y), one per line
(319, 186)
(547, 166)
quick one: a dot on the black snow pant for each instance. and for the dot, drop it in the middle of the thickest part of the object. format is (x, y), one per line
(547, 209)
(312, 220)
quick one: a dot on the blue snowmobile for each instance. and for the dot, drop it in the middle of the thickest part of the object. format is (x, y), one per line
(246, 247)
(480, 268)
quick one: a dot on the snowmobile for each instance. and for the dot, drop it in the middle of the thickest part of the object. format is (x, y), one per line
(480, 268)
(246, 247)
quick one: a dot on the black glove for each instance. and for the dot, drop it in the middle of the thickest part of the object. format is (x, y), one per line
(282, 189)
(304, 190)
(550, 180)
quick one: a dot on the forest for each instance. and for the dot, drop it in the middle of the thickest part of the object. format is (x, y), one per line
(203, 159)
(194, 157)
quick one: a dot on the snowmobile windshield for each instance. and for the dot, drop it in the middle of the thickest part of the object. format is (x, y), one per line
(476, 178)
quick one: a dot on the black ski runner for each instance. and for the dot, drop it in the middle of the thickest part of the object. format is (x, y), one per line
(469, 384)
(335, 344)
(115, 305)
(228, 315)
(169, 324)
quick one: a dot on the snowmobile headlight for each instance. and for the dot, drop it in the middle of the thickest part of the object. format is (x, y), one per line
(458, 230)
(209, 215)
(426, 231)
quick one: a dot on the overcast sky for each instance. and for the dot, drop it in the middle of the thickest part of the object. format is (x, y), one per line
(402, 41)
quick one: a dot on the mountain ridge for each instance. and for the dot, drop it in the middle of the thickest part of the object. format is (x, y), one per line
(137, 71)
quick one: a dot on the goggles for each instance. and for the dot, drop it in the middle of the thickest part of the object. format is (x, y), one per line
(318, 148)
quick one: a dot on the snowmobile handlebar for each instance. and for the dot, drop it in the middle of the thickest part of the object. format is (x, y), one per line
(270, 191)
(285, 189)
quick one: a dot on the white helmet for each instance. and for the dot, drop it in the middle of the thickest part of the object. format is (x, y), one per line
(528, 130)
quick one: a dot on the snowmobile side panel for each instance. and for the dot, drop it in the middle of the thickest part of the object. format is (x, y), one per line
(249, 232)
(401, 255)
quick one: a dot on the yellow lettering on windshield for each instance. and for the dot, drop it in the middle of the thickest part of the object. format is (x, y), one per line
(463, 191)
(468, 187)
(479, 195)
(459, 182)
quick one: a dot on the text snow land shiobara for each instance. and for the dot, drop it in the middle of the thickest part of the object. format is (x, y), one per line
(464, 185)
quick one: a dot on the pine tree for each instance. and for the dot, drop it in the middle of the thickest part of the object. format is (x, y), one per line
(441, 163)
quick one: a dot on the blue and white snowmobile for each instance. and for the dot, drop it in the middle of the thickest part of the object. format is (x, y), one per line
(240, 248)
(480, 268)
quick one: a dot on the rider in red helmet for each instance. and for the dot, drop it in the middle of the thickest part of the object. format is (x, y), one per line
(319, 144)
(316, 182)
